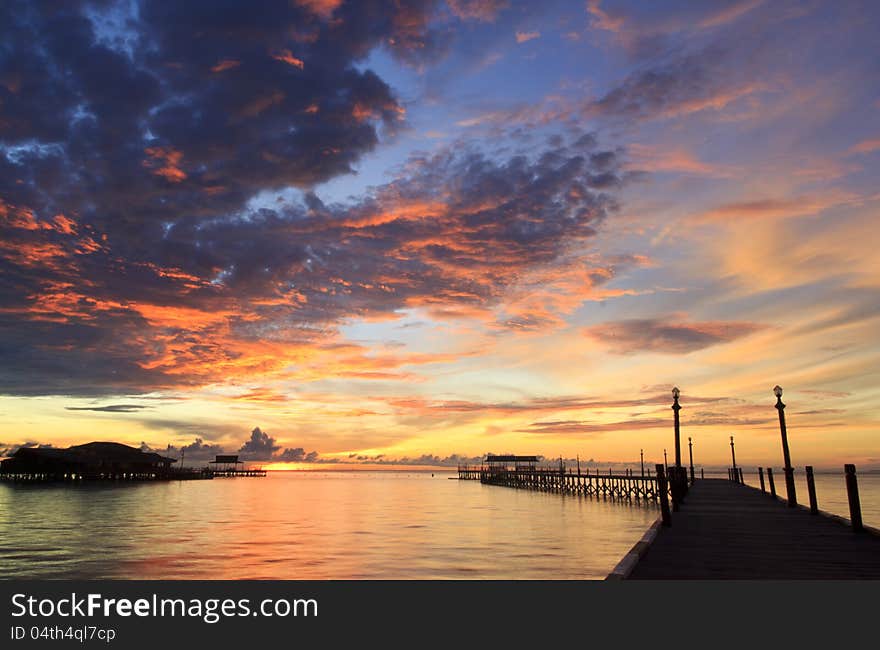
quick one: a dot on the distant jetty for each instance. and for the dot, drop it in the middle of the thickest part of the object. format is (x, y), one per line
(110, 461)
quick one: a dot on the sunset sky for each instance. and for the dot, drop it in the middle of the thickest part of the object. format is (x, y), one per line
(416, 231)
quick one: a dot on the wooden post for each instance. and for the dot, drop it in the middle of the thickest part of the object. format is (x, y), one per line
(811, 490)
(674, 488)
(770, 480)
(741, 479)
(664, 497)
(786, 457)
(676, 407)
(702, 473)
(852, 492)
(691, 453)
(761, 477)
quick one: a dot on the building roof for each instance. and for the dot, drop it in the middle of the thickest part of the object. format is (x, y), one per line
(221, 458)
(92, 452)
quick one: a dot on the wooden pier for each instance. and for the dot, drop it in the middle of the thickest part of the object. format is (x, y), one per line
(193, 474)
(107, 476)
(233, 473)
(626, 486)
(728, 530)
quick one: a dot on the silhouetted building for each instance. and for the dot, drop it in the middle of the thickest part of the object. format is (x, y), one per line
(93, 458)
(505, 463)
(225, 462)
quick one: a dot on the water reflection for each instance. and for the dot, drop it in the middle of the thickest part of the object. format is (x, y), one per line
(329, 525)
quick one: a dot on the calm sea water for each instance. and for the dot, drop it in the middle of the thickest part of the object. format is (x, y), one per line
(311, 525)
(830, 492)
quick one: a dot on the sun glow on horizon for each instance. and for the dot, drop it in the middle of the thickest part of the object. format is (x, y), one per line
(371, 248)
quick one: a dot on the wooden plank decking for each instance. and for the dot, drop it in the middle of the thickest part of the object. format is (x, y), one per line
(725, 530)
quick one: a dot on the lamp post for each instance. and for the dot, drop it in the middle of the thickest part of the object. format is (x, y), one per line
(665, 462)
(788, 469)
(691, 454)
(732, 453)
(642, 455)
(676, 407)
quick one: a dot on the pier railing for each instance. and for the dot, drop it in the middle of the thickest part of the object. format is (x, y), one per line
(628, 485)
(850, 479)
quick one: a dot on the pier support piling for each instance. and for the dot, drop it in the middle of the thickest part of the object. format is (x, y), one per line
(852, 493)
(664, 496)
(811, 490)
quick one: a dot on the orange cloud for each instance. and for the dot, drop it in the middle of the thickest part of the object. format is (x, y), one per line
(481, 10)
(361, 113)
(778, 208)
(524, 37)
(866, 146)
(165, 162)
(261, 395)
(287, 57)
(60, 301)
(715, 101)
(602, 20)
(322, 8)
(225, 64)
(665, 159)
(25, 219)
(64, 225)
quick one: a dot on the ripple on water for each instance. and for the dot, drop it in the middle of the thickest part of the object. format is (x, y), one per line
(333, 526)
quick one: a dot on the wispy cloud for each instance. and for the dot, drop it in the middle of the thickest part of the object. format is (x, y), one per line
(110, 408)
(865, 146)
(668, 336)
(525, 37)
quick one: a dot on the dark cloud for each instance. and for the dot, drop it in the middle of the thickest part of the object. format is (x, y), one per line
(538, 405)
(189, 109)
(196, 450)
(110, 408)
(138, 248)
(261, 446)
(668, 336)
(452, 460)
(125, 120)
(450, 234)
(7, 449)
(297, 454)
(199, 449)
(681, 84)
(580, 427)
(737, 418)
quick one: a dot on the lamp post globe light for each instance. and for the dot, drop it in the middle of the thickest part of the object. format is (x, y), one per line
(786, 457)
(691, 455)
(676, 407)
(732, 453)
